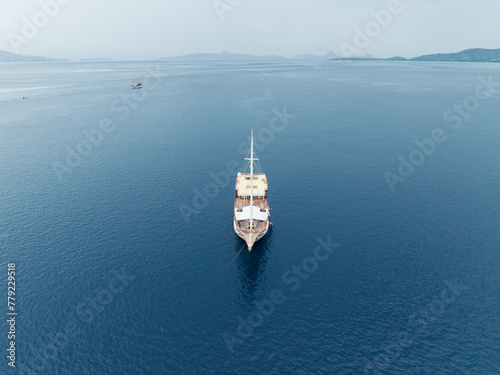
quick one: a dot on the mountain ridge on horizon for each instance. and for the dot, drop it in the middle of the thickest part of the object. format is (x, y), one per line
(6, 56)
(467, 55)
(241, 56)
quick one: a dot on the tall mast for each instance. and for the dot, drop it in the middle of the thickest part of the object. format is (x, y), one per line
(252, 159)
(251, 188)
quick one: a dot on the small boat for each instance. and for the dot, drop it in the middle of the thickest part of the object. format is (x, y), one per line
(251, 207)
(136, 85)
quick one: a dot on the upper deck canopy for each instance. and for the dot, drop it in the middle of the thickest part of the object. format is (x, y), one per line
(244, 186)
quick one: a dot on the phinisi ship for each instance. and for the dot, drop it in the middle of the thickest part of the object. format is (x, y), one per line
(251, 207)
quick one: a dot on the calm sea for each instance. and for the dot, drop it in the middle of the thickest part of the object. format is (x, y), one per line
(117, 205)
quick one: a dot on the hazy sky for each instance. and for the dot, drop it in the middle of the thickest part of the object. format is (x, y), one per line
(149, 29)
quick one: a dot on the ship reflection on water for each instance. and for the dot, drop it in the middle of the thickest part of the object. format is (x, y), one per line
(251, 268)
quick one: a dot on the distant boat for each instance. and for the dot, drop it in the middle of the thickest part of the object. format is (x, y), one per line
(251, 207)
(136, 85)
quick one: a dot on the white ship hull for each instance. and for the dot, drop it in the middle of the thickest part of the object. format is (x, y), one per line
(245, 237)
(251, 206)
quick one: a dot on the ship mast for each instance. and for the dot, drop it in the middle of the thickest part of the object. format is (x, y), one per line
(252, 159)
(251, 188)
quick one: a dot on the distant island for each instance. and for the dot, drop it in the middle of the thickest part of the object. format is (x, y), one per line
(96, 60)
(12, 57)
(327, 56)
(468, 55)
(238, 56)
(221, 56)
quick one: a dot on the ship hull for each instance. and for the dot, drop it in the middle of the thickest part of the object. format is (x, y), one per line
(251, 206)
(245, 236)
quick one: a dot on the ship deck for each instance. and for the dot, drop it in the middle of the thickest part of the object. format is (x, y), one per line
(246, 202)
(244, 226)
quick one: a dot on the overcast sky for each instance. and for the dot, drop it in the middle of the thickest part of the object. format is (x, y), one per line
(149, 29)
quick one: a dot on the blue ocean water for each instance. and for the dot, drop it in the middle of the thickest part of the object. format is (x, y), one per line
(127, 262)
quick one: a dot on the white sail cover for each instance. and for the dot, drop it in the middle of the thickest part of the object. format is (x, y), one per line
(245, 215)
